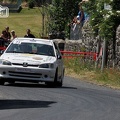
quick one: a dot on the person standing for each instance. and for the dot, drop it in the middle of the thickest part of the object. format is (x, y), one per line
(3, 38)
(74, 34)
(81, 19)
(13, 35)
(29, 35)
(7, 34)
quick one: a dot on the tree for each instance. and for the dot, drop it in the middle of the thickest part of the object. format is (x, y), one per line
(60, 13)
(104, 21)
(42, 5)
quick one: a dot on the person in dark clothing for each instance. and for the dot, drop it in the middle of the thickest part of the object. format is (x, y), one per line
(4, 38)
(29, 35)
(7, 34)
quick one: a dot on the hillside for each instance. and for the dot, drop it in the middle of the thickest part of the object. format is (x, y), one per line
(27, 18)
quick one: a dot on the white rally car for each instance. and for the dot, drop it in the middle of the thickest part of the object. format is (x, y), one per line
(32, 60)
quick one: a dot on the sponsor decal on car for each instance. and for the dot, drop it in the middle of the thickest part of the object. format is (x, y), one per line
(37, 58)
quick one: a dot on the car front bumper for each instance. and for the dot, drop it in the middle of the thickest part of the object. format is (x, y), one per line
(27, 73)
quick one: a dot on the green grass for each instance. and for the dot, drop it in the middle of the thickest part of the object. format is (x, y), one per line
(27, 18)
(86, 71)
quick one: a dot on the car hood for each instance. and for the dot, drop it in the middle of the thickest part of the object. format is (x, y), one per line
(29, 58)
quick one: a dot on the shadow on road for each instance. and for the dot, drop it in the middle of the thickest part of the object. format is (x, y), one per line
(20, 104)
(34, 85)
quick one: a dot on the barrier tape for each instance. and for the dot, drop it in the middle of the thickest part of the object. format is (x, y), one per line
(71, 54)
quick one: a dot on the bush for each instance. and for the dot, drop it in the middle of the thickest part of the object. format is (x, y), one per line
(31, 4)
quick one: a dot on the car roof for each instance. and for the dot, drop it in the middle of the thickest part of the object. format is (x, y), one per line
(33, 40)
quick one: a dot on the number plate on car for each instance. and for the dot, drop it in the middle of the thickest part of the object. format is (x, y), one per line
(23, 70)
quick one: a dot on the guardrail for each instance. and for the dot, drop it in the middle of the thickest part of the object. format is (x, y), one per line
(72, 54)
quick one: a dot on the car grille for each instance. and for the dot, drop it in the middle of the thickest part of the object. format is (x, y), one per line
(28, 65)
(25, 74)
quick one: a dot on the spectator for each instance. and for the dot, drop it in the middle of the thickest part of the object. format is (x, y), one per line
(3, 38)
(87, 17)
(29, 35)
(13, 35)
(81, 19)
(74, 35)
(8, 35)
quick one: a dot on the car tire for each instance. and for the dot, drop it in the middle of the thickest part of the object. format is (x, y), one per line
(11, 82)
(54, 83)
(59, 84)
(2, 82)
(49, 84)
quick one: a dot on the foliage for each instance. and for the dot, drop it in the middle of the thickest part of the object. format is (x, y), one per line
(79, 64)
(86, 71)
(61, 12)
(104, 21)
(9, 1)
(31, 4)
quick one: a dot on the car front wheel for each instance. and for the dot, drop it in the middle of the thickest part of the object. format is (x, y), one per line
(11, 82)
(55, 82)
(60, 83)
(2, 82)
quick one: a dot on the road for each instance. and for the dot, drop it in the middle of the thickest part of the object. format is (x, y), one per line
(76, 100)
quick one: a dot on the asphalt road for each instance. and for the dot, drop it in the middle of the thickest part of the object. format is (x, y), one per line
(76, 100)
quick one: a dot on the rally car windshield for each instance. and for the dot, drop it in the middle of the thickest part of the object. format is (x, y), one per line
(31, 48)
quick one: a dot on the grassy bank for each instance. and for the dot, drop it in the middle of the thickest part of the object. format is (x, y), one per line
(27, 18)
(87, 72)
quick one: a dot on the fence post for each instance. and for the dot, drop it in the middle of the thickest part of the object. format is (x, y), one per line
(104, 54)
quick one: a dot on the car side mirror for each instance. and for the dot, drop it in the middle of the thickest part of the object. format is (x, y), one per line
(59, 57)
(1, 52)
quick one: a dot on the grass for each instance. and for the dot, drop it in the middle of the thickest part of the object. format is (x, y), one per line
(86, 71)
(27, 18)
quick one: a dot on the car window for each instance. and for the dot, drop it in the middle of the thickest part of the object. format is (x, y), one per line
(57, 49)
(45, 50)
(31, 48)
(13, 48)
(19, 48)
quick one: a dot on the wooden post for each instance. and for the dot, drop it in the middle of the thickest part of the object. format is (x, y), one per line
(104, 55)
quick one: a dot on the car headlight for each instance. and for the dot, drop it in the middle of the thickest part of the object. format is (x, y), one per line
(46, 65)
(5, 62)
